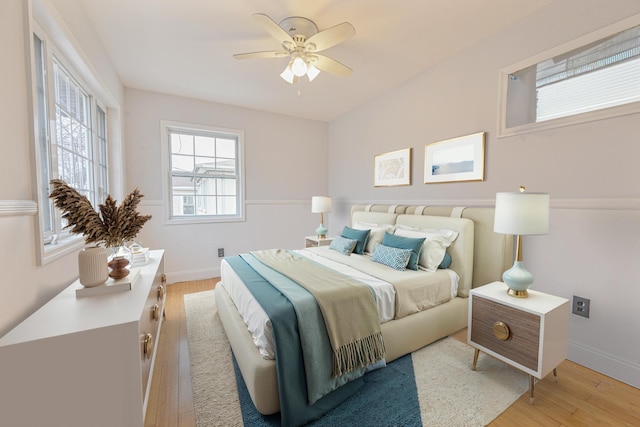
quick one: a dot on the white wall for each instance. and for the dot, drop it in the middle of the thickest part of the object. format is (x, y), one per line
(24, 285)
(285, 162)
(590, 170)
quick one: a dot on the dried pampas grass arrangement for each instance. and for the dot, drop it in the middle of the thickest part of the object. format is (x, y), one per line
(112, 227)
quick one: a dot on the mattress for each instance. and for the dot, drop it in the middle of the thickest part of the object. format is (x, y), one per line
(397, 293)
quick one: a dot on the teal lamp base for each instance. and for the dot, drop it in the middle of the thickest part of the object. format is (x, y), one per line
(518, 279)
(321, 231)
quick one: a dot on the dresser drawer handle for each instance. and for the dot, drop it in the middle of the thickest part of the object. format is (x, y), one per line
(155, 312)
(148, 345)
(160, 292)
(164, 279)
(501, 331)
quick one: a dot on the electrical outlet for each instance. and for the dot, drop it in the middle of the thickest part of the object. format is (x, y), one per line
(220, 252)
(581, 306)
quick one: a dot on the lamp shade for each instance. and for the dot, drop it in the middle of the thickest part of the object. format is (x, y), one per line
(521, 213)
(320, 204)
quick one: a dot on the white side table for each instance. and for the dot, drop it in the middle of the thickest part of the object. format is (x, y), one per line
(315, 241)
(530, 334)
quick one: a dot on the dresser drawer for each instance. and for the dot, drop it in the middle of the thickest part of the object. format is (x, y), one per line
(150, 323)
(521, 340)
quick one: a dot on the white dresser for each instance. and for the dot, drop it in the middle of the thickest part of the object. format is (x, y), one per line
(87, 361)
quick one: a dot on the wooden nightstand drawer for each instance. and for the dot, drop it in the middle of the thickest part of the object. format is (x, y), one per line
(523, 340)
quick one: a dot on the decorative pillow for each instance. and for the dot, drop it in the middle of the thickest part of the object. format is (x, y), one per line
(395, 258)
(360, 235)
(376, 235)
(401, 242)
(435, 245)
(343, 245)
(446, 261)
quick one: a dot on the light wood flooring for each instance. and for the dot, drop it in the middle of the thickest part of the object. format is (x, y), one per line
(581, 397)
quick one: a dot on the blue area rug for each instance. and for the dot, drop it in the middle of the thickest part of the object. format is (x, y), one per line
(388, 398)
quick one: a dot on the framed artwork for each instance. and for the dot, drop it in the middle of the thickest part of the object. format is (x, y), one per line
(454, 160)
(393, 168)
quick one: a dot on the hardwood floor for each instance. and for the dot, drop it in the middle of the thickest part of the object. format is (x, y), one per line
(581, 397)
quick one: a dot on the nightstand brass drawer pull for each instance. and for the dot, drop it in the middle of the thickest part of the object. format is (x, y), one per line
(160, 292)
(501, 331)
(148, 345)
(155, 312)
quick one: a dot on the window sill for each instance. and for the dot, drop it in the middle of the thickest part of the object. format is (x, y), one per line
(62, 247)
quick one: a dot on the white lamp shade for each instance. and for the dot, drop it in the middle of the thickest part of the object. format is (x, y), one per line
(298, 66)
(312, 73)
(320, 204)
(521, 213)
(288, 76)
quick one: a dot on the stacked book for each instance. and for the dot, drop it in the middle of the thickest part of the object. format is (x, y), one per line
(140, 256)
(110, 286)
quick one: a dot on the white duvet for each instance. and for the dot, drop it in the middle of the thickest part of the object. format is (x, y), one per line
(259, 324)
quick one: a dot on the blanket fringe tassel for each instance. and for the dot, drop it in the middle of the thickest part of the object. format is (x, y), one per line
(358, 354)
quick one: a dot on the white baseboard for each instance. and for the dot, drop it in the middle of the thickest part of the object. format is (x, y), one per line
(190, 275)
(607, 364)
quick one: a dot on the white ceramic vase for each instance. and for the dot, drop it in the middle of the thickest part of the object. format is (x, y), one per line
(92, 266)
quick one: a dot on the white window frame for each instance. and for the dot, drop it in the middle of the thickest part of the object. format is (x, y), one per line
(506, 73)
(51, 245)
(165, 128)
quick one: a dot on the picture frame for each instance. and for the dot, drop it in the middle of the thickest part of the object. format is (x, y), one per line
(455, 160)
(392, 168)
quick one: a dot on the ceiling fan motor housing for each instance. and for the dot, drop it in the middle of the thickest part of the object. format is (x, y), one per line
(299, 28)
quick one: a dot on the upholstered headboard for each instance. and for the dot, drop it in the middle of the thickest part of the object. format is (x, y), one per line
(493, 252)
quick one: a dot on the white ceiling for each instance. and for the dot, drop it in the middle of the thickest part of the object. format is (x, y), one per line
(186, 47)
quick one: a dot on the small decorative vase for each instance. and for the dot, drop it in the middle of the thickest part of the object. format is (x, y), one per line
(92, 266)
(121, 257)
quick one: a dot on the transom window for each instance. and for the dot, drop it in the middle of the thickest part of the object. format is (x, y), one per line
(597, 76)
(204, 173)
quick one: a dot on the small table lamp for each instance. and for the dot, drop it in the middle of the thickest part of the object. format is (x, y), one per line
(321, 205)
(520, 213)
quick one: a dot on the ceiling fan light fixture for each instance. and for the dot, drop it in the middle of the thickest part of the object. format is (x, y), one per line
(298, 66)
(288, 76)
(312, 72)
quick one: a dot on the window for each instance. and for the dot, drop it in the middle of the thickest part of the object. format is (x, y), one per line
(204, 168)
(594, 77)
(71, 141)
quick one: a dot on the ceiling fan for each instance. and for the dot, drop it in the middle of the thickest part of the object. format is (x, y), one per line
(301, 41)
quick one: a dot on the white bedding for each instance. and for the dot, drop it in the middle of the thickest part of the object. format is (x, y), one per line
(258, 322)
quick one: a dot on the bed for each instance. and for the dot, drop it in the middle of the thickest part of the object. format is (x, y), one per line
(478, 256)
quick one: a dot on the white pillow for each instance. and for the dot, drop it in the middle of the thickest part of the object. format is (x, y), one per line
(433, 248)
(375, 236)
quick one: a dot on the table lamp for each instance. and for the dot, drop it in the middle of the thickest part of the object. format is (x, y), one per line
(321, 205)
(520, 213)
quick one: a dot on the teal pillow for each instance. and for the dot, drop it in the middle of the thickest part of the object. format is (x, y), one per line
(343, 245)
(415, 244)
(393, 257)
(360, 235)
(446, 261)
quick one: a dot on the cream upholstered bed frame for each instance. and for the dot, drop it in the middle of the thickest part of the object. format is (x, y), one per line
(492, 254)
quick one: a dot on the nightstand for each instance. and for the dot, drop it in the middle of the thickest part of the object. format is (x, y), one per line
(315, 241)
(530, 334)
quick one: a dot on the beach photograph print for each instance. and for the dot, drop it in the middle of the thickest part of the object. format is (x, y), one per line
(393, 168)
(454, 160)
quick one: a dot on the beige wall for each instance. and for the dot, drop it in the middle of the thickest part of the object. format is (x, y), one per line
(590, 171)
(285, 161)
(25, 286)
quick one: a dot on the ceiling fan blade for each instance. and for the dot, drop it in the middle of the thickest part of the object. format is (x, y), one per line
(274, 29)
(331, 36)
(262, 55)
(324, 63)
